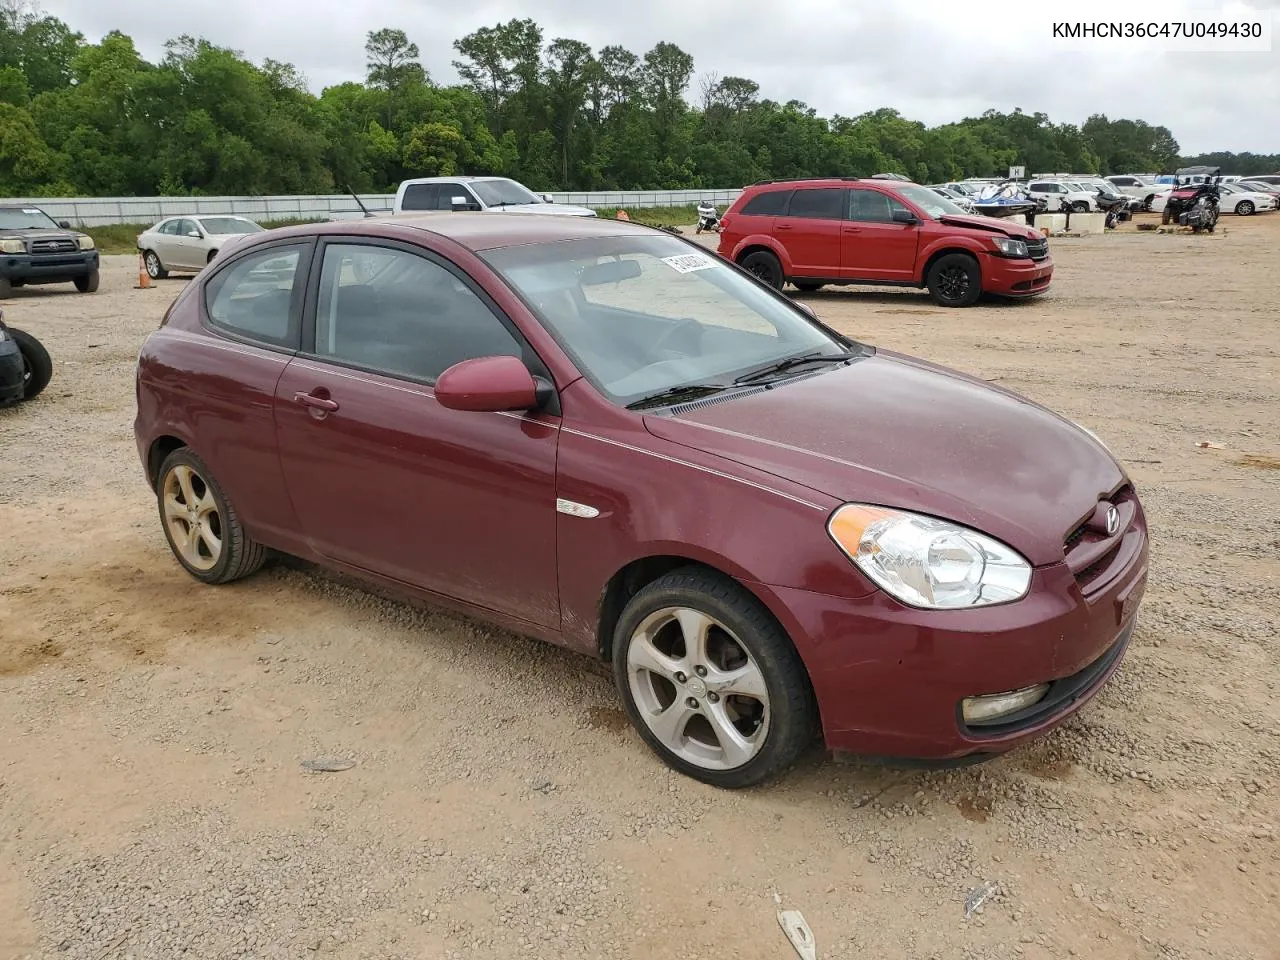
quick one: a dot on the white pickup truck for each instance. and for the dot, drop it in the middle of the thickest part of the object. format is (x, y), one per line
(479, 194)
(1141, 189)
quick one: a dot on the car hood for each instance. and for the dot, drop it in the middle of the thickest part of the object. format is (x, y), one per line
(896, 431)
(991, 225)
(552, 209)
(53, 233)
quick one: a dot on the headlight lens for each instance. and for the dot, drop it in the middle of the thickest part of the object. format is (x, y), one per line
(12, 246)
(927, 562)
(86, 243)
(1011, 247)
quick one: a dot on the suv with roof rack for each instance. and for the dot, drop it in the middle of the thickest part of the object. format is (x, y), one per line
(840, 231)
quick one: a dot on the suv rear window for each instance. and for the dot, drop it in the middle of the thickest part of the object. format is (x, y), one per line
(820, 203)
(768, 203)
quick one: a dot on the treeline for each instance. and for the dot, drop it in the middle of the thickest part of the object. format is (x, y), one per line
(83, 119)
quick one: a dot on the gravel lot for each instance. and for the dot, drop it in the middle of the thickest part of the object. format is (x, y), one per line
(152, 730)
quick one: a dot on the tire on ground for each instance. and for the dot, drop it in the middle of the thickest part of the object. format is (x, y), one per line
(765, 266)
(945, 286)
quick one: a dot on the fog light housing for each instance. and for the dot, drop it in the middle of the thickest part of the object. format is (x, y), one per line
(993, 707)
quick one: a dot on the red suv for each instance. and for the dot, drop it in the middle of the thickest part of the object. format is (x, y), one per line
(838, 231)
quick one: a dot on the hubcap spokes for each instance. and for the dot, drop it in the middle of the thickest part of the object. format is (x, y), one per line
(698, 689)
(191, 514)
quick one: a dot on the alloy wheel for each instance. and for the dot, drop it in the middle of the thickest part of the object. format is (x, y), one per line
(953, 283)
(191, 514)
(698, 689)
(153, 266)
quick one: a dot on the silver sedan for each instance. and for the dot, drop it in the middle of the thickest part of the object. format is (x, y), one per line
(189, 243)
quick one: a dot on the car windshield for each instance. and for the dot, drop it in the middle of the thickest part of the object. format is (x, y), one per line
(647, 315)
(26, 218)
(503, 192)
(930, 202)
(224, 225)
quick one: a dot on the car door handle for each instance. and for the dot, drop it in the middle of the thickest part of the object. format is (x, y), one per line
(852, 229)
(316, 403)
(783, 226)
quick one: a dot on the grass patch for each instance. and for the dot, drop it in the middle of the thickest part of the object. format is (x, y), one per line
(657, 216)
(123, 237)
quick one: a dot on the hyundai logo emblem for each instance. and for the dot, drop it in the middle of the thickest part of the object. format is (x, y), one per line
(1113, 521)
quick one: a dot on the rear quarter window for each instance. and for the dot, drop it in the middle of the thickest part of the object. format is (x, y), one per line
(767, 203)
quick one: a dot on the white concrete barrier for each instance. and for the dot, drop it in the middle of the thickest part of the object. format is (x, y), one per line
(1053, 222)
(1086, 223)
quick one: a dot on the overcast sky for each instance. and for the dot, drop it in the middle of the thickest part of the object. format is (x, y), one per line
(933, 60)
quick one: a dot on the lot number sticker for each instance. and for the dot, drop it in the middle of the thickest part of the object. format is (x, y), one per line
(689, 262)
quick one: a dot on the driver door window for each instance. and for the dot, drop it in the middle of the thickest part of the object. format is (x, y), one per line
(398, 313)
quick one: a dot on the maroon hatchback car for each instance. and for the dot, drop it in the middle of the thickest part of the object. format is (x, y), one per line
(602, 435)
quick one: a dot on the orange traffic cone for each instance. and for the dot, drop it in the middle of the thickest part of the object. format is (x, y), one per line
(622, 215)
(144, 279)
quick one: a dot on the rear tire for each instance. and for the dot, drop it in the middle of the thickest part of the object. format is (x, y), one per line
(88, 283)
(1245, 208)
(37, 368)
(1080, 206)
(808, 286)
(764, 266)
(955, 280)
(711, 681)
(6, 288)
(202, 527)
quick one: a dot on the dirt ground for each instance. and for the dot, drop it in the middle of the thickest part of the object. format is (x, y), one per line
(152, 730)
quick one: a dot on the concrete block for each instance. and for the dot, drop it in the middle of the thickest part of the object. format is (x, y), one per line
(1088, 223)
(1053, 222)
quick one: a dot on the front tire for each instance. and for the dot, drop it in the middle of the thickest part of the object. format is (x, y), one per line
(808, 286)
(1080, 206)
(6, 288)
(88, 283)
(155, 269)
(955, 280)
(202, 527)
(764, 266)
(710, 680)
(37, 367)
(1245, 208)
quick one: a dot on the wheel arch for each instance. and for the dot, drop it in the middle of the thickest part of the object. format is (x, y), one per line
(945, 249)
(159, 449)
(761, 244)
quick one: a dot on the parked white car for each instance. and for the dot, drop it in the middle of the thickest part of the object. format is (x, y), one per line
(1063, 194)
(1243, 202)
(1141, 189)
(189, 243)
(479, 194)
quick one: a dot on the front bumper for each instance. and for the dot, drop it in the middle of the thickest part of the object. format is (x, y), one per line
(48, 268)
(10, 372)
(890, 679)
(1006, 277)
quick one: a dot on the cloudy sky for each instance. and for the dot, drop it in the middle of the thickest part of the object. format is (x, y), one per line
(933, 60)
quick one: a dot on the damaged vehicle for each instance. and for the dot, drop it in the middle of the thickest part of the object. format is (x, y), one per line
(814, 233)
(605, 436)
(1194, 200)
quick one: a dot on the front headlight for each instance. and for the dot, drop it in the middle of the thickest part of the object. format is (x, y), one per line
(927, 562)
(1011, 247)
(12, 246)
(86, 243)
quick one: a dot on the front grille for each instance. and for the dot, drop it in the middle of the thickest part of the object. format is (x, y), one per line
(1038, 249)
(53, 246)
(1095, 558)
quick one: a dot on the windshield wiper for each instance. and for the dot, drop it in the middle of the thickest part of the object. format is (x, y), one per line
(685, 391)
(789, 362)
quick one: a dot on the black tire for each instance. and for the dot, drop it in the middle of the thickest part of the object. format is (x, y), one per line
(37, 368)
(1080, 206)
(155, 269)
(1245, 208)
(6, 288)
(808, 286)
(955, 280)
(240, 555)
(793, 711)
(1166, 217)
(764, 266)
(209, 259)
(1146, 203)
(88, 283)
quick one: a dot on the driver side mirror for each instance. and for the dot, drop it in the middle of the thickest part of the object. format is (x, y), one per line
(194, 233)
(548, 198)
(904, 216)
(463, 203)
(64, 224)
(490, 385)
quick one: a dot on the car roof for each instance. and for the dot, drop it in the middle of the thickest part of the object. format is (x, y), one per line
(880, 182)
(459, 179)
(485, 232)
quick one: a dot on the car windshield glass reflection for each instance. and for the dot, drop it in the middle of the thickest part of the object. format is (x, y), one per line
(643, 316)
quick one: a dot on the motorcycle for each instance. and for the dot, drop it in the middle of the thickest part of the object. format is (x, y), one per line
(1114, 205)
(708, 218)
(1194, 205)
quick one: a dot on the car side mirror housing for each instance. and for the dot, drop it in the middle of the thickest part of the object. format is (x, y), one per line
(904, 216)
(194, 233)
(463, 203)
(806, 308)
(489, 385)
(64, 224)
(548, 198)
